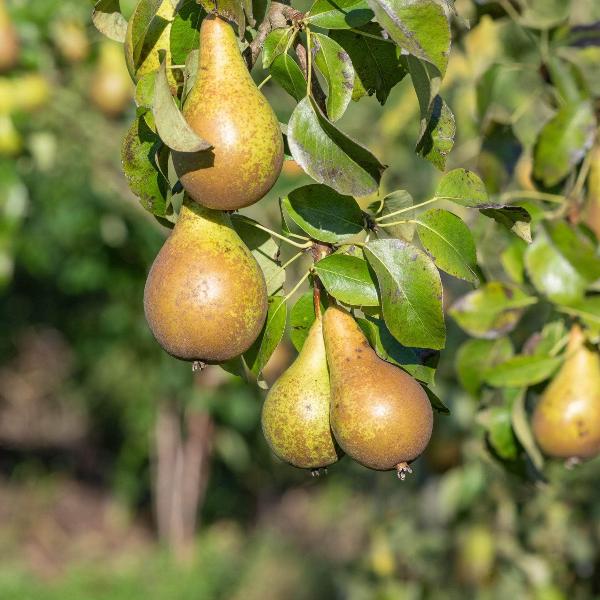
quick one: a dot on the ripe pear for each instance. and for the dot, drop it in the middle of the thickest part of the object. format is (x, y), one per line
(566, 421)
(380, 416)
(295, 415)
(111, 90)
(205, 297)
(226, 109)
(9, 41)
(156, 39)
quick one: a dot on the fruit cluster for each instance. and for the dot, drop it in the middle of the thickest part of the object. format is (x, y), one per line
(206, 298)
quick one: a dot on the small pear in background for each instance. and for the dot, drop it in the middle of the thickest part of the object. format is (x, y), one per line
(295, 414)
(380, 416)
(226, 109)
(592, 208)
(205, 297)
(9, 40)
(111, 89)
(566, 420)
(71, 39)
(156, 39)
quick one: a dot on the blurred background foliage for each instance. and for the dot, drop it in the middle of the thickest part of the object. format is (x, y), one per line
(102, 435)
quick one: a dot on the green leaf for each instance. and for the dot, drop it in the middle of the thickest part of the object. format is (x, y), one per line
(185, 34)
(421, 28)
(411, 293)
(449, 242)
(491, 311)
(514, 218)
(289, 76)
(399, 200)
(500, 432)
(521, 371)
(139, 159)
(324, 214)
(420, 363)
(144, 91)
(475, 357)
(109, 21)
(275, 45)
(339, 14)
(463, 187)
(146, 27)
(522, 429)
(329, 156)
(173, 129)
(551, 272)
(262, 349)
(302, 316)
(563, 142)
(587, 309)
(377, 67)
(513, 260)
(347, 278)
(265, 251)
(336, 67)
(545, 14)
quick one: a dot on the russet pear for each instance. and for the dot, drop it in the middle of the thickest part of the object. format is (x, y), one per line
(205, 297)
(226, 109)
(9, 41)
(295, 414)
(380, 416)
(566, 420)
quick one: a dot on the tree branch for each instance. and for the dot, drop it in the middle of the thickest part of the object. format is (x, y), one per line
(280, 14)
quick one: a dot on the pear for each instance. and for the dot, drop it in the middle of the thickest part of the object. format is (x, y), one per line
(226, 109)
(592, 208)
(295, 414)
(111, 90)
(9, 41)
(380, 416)
(566, 420)
(156, 39)
(205, 297)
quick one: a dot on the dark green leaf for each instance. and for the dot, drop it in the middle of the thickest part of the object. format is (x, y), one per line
(514, 218)
(411, 293)
(324, 214)
(421, 28)
(376, 63)
(347, 278)
(399, 200)
(449, 242)
(262, 349)
(500, 432)
(185, 34)
(275, 45)
(302, 316)
(339, 14)
(289, 76)
(438, 137)
(420, 363)
(336, 67)
(328, 155)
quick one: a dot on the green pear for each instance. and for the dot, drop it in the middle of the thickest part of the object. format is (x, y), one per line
(111, 90)
(295, 414)
(380, 416)
(205, 297)
(566, 420)
(226, 109)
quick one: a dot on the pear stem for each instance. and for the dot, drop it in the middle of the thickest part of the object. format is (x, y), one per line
(401, 222)
(309, 62)
(285, 265)
(409, 208)
(264, 81)
(308, 244)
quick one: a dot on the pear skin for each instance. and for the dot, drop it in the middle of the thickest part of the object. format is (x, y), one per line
(9, 41)
(227, 109)
(380, 416)
(205, 297)
(158, 38)
(295, 414)
(566, 420)
(111, 90)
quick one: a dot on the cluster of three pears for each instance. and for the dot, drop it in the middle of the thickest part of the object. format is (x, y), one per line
(206, 297)
(339, 394)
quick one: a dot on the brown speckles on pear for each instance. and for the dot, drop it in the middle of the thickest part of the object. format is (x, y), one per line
(205, 296)
(226, 108)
